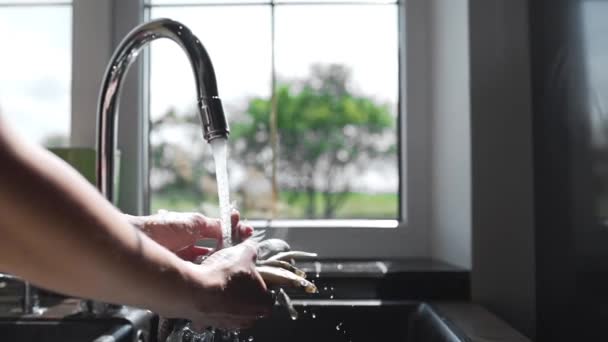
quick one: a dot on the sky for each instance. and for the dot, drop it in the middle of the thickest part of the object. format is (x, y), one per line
(238, 40)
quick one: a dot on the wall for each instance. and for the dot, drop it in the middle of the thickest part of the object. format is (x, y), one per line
(501, 159)
(99, 26)
(450, 229)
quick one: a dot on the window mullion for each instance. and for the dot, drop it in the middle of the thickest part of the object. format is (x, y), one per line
(273, 114)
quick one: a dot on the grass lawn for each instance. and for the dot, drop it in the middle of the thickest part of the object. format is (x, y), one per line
(357, 205)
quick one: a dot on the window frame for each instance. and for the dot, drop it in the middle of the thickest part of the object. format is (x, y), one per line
(406, 237)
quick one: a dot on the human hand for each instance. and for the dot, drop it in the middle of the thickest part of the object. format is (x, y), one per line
(179, 232)
(232, 294)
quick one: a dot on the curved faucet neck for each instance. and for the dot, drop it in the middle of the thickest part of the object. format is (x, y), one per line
(210, 107)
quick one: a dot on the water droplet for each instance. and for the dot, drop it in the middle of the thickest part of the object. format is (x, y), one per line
(314, 316)
(340, 266)
(338, 326)
(331, 297)
(179, 33)
(325, 288)
(305, 311)
(317, 276)
(181, 27)
(250, 338)
(332, 288)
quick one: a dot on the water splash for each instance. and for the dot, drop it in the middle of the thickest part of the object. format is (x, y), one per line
(220, 154)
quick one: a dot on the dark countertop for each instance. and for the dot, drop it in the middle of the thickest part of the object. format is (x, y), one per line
(406, 279)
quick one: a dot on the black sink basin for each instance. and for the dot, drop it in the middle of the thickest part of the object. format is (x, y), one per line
(126, 325)
(344, 321)
(66, 331)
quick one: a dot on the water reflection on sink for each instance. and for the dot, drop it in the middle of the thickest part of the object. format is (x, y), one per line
(345, 321)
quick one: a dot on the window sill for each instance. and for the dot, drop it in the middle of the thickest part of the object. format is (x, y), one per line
(374, 224)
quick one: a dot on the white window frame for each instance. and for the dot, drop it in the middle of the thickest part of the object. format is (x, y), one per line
(100, 24)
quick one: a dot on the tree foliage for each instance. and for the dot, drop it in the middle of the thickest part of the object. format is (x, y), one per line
(326, 131)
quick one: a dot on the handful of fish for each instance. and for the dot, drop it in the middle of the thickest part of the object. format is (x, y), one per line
(275, 265)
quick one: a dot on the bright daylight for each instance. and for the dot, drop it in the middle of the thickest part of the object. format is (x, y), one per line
(303, 170)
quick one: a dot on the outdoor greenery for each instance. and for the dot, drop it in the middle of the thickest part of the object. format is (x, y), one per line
(355, 206)
(327, 135)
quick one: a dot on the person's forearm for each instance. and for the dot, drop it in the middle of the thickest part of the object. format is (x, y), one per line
(60, 233)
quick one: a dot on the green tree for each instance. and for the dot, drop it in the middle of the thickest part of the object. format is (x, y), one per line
(324, 129)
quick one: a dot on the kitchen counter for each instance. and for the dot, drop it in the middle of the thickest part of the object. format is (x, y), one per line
(407, 279)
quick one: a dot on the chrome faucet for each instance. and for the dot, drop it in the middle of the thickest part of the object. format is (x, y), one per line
(209, 104)
(28, 299)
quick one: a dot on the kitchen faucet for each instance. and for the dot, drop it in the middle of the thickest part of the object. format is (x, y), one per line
(209, 104)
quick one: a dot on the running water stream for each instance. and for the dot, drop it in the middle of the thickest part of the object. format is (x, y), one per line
(220, 155)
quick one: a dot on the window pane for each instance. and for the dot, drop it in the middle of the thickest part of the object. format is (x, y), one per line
(36, 71)
(595, 31)
(338, 1)
(182, 168)
(337, 111)
(179, 3)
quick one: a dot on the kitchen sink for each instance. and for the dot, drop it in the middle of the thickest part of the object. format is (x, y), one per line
(127, 325)
(67, 331)
(346, 321)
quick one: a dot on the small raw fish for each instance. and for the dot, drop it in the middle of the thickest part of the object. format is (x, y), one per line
(283, 264)
(292, 255)
(275, 276)
(285, 301)
(270, 247)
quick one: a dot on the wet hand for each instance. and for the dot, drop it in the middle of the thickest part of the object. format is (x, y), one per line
(233, 294)
(179, 232)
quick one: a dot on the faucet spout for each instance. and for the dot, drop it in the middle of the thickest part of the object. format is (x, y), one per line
(210, 108)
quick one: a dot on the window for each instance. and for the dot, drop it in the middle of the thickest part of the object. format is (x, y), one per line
(328, 72)
(35, 68)
(254, 43)
(594, 43)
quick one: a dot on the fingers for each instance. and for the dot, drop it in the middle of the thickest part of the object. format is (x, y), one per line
(235, 217)
(193, 252)
(240, 231)
(212, 228)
